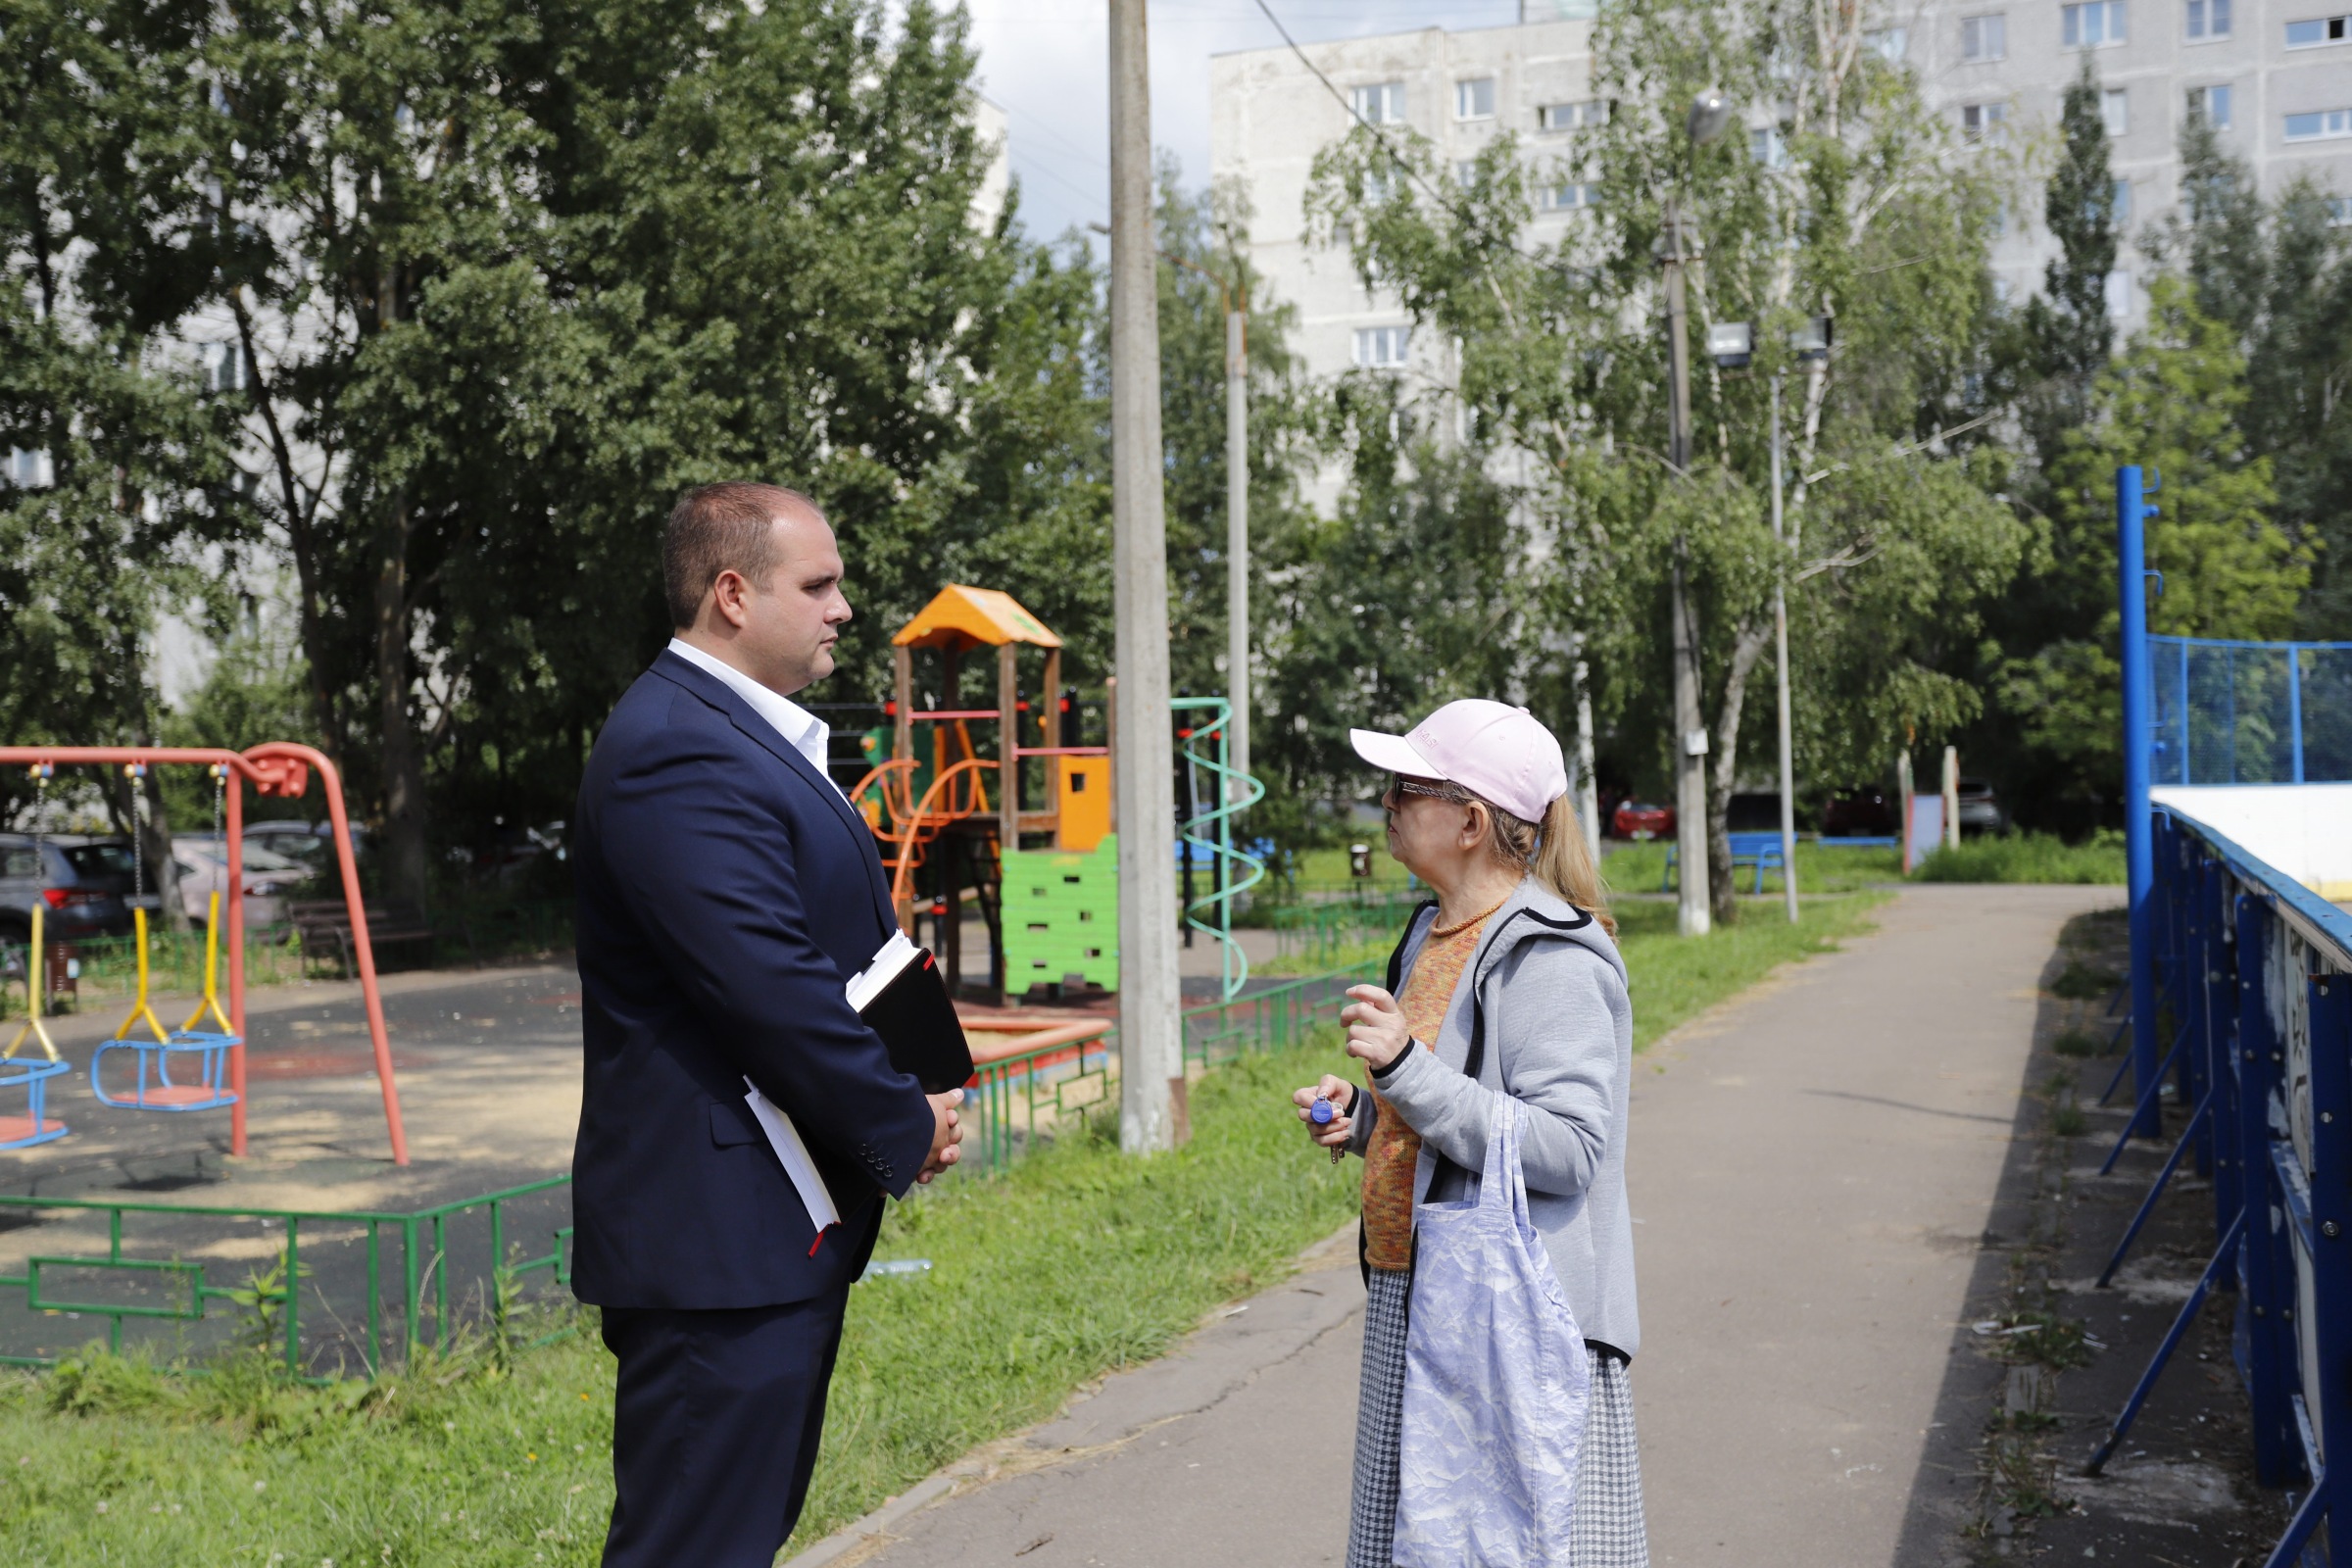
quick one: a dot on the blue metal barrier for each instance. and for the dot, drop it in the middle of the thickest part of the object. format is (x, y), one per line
(2255, 972)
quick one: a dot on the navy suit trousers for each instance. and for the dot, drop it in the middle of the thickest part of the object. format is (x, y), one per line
(715, 1429)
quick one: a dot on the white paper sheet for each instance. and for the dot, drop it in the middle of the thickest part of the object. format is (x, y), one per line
(782, 1136)
(785, 1138)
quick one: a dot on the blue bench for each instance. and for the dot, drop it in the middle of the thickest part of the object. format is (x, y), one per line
(1759, 850)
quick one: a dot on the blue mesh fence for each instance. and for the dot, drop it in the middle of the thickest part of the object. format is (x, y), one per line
(2241, 713)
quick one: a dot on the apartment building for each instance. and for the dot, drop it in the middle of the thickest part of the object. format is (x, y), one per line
(2274, 75)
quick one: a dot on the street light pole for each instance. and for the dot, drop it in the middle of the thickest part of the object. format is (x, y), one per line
(1237, 536)
(1780, 636)
(1692, 916)
(1150, 1024)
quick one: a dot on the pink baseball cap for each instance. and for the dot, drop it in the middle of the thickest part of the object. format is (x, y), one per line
(1499, 752)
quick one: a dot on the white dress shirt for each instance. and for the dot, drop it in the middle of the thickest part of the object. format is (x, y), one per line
(803, 731)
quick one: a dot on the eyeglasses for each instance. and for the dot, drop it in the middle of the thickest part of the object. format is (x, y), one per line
(1435, 789)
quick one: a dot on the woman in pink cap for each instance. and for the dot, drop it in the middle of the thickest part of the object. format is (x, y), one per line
(1506, 985)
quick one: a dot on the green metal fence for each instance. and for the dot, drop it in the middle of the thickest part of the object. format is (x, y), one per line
(332, 1292)
(1321, 930)
(326, 1291)
(1020, 1100)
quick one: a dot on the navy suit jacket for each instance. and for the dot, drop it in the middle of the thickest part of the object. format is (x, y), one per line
(726, 893)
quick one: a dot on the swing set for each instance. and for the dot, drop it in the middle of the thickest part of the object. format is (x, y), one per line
(209, 1048)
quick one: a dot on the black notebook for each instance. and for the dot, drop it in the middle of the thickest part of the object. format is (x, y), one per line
(904, 997)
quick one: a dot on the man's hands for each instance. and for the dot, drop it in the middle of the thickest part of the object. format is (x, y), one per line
(1333, 1134)
(1376, 1031)
(945, 1133)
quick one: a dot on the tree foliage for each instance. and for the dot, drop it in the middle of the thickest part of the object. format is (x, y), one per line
(1843, 198)
(2172, 404)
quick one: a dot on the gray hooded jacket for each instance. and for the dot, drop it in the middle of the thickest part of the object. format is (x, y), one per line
(1543, 1018)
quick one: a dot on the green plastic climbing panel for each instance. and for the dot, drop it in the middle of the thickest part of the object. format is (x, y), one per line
(1062, 917)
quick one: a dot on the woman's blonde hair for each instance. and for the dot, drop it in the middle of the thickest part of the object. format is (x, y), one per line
(1554, 852)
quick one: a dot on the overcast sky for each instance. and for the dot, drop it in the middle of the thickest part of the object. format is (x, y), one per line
(1045, 62)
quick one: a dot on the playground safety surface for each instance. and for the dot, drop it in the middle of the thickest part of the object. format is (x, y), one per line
(488, 1067)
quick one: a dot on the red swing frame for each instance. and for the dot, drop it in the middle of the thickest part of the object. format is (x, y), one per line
(276, 769)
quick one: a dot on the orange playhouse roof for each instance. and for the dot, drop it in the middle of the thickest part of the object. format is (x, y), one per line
(958, 615)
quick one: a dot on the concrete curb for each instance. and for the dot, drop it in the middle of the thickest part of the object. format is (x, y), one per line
(1228, 1349)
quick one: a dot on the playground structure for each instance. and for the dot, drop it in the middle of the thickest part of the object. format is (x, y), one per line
(2238, 830)
(1025, 831)
(275, 768)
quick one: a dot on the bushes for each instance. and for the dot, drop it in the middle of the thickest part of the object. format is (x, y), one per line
(2029, 857)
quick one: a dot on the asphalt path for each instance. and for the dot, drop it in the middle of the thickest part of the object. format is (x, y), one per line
(1814, 1168)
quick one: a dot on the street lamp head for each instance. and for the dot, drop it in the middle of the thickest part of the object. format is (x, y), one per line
(1710, 115)
(1732, 344)
(1810, 343)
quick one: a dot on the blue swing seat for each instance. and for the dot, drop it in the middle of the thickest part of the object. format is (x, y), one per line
(36, 1127)
(154, 1090)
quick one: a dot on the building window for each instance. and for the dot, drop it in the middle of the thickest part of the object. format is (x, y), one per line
(1999, 224)
(2339, 211)
(1985, 37)
(2209, 19)
(2321, 124)
(1573, 117)
(1769, 147)
(2119, 295)
(2001, 290)
(2317, 31)
(1474, 100)
(29, 469)
(1382, 348)
(2095, 25)
(2118, 202)
(1983, 122)
(1570, 197)
(2211, 105)
(224, 366)
(1890, 43)
(1380, 104)
(2115, 111)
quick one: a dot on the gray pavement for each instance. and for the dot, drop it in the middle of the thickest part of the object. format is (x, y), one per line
(1814, 1167)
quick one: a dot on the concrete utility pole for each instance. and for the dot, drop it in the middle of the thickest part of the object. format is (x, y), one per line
(1708, 116)
(1780, 643)
(1691, 916)
(1237, 525)
(1151, 1023)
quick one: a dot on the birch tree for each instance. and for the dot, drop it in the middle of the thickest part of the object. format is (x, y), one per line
(1837, 196)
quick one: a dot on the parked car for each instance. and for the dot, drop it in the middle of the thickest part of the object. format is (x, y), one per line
(311, 845)
(269, 877)
(1864, 811)
(85, 882)
(1980, 810)
(1636, 819)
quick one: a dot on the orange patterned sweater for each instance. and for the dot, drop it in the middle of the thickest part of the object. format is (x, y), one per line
(1394, 1149)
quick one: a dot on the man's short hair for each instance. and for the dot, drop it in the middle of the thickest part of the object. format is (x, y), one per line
(723, 527)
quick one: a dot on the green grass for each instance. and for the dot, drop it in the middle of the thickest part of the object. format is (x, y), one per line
(1070, 1264)
(1641, 868)
(1326, 870)
(2029, 857)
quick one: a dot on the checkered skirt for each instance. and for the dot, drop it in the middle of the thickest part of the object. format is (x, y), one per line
(1608, 1532)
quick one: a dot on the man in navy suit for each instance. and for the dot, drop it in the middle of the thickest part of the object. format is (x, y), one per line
(727, 891)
